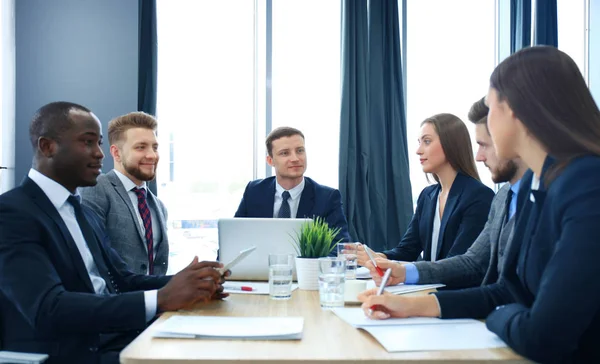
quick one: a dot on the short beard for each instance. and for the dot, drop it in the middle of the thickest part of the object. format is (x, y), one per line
(505, 172)
(139, 174)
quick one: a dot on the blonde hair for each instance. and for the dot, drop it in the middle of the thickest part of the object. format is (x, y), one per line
(119, 125)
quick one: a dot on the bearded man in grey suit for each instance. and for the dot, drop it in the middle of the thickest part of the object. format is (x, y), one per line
(135, 219)
(482, 262)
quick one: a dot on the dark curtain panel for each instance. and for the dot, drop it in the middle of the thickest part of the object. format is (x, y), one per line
(546, 23)
(147, 56)
(374, 171)
(520, 24)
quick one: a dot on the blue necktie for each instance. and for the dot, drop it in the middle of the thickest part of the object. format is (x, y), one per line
(284, 211)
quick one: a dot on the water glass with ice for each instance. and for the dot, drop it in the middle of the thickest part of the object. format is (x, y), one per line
(332, 275)
(280, 276)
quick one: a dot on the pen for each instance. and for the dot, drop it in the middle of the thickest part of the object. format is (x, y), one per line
(238, 288)
(379, 271)
(386, 276)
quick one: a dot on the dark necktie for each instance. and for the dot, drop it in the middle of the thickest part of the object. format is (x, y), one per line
(92, 243)
(147, 221)
(284, 211)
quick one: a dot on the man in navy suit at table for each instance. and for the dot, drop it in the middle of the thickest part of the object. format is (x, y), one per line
(290, 194)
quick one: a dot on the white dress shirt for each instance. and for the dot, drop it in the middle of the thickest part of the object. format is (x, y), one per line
(293, 201)
(156, 230)
(435, 234)
(58, 196)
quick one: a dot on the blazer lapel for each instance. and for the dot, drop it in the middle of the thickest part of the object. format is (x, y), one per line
(42, 201)
(429, 215)
(116, 182)
(455, 192)
(153, 201)
(307, 200)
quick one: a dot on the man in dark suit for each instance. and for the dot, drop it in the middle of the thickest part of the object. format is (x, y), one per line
(135, 219)
(289, 194)
(63, 290)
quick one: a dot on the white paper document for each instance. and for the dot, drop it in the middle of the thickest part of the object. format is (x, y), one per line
(21, 358)
(406, 288)
(238, 287)
(363, 273)
(355, 316)
(216, 327)
(463, 336)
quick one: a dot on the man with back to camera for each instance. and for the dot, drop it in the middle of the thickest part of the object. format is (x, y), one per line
(482, 263)
(134, 218)
(290, 194)
(63, 290)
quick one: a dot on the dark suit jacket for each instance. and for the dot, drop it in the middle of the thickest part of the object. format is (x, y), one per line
(47, 301)
(316, 200)
(109, 200)
(548, 297)
(465, 215)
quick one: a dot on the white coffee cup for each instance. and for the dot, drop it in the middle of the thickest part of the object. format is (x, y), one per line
(353, 287)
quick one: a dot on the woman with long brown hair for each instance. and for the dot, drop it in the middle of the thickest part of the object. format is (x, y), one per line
(451, 213)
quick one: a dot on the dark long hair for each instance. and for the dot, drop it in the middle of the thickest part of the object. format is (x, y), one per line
(547, 93)
(456, 143)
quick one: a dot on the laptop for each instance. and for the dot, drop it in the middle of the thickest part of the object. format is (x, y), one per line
(267, 234)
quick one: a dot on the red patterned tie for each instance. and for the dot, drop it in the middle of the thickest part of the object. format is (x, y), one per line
(147, 220)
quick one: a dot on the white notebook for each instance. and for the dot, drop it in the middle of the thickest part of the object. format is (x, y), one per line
(21, 358)
(461, 336)
(216, 327)
(406, 288)
(423, 333)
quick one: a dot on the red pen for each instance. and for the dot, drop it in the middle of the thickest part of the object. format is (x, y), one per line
(386, 277)
(368, 250)
(242, 288)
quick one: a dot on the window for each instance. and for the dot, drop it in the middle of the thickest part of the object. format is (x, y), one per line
(214, 76)
(450, 56)
(571, 30)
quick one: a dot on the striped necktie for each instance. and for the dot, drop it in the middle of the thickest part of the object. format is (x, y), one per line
(147, 220)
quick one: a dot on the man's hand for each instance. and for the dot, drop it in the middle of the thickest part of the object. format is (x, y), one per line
(361, 255)
(398, 271)
(197, 282)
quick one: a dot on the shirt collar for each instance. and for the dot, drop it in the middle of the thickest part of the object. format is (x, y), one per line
(128, 183)
(294, 192)
(515, 187)
(535, 185)
(56, 193)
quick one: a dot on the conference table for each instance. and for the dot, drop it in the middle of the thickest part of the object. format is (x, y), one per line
(325, 338)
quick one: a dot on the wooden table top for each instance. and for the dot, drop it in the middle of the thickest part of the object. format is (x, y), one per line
(325, 338)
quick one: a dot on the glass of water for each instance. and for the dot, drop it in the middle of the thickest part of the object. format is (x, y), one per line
(280, 276)
(332, 276)
(349, 251)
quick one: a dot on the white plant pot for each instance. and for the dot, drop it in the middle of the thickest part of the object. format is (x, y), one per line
(307, 270)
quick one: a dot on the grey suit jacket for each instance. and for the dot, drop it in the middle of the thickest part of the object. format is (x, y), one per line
(109, 200)
(479, 265)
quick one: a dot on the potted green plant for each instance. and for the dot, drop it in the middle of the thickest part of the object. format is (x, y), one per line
(314, 240)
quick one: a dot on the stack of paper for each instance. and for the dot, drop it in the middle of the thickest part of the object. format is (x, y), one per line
(239, 287)
(215, 327)
(21, 358)
(423, 333)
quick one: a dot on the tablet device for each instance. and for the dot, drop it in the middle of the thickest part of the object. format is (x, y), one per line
(243, 254)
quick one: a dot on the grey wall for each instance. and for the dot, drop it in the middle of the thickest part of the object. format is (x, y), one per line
(83, 51)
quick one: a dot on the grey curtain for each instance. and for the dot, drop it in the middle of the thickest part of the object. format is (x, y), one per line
(546, 23)
(520, 24)
(147, 61)
(374, 171)
(147, 56)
